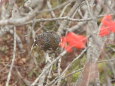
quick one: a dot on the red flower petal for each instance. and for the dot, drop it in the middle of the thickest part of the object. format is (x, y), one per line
(78, 42)
(104, 31)
(68, 49)
(112, 27)
(72, 40)
(107, 20)
(64, 44)
(80, 45)
(108, 26)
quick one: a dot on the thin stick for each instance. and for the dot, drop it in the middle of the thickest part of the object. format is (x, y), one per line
(13, 59)
(47, 67)
(62, 75)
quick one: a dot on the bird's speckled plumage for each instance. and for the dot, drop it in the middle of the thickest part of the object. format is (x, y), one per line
(47, 40)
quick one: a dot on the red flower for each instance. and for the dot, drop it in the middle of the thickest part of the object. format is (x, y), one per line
(112, 27)
(107, 20)
(104, 31)
(72, 40)
(108, 26)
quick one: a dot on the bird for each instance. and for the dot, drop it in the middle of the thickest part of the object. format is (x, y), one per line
(47, 40)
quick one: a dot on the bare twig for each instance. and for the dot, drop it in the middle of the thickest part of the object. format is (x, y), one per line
(13, 59)
(47, 67)
(59, 71)
(64, 24)
(63, 73)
